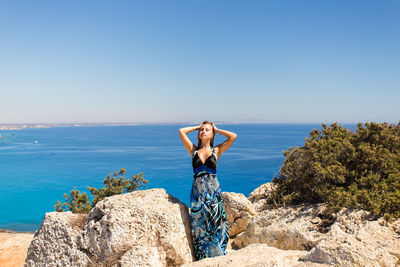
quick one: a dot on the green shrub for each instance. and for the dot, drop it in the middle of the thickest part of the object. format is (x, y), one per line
(344, 169)
(76, 202)
(79, 203)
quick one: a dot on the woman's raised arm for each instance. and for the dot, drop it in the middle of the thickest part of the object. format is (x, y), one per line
(221, 148)
(185, 139)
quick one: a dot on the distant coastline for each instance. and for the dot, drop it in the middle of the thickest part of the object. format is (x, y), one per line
(20, 126)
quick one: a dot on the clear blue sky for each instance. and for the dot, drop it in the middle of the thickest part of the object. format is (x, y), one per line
(186, 61)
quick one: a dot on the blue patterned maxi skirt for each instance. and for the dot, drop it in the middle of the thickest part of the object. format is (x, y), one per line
(210, 231)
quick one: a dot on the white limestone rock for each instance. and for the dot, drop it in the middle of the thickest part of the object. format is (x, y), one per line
(55, 243)
(149, 218)
(355, 239)
(143, 228)
(285, 228)
(260, 196)
(152, 228)
(256, 255)
(239, 211)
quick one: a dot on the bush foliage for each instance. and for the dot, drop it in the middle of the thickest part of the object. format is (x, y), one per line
(114, 185)
(358, 169)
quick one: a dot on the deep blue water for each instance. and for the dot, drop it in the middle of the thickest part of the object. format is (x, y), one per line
(34, 175)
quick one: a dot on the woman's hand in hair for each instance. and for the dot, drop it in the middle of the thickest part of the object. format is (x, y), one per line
(215, 128)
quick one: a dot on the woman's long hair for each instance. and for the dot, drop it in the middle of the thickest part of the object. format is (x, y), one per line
(212, 139)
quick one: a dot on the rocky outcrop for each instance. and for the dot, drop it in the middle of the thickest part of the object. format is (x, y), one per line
(239, 211)
(285, 228)
(348, 238)
(56, 243)
(257, 255)
(143, 228)
(261, 195)
(152, 228)
(356, 239)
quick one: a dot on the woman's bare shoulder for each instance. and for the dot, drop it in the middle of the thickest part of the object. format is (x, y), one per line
(216, 151)
(193, 150)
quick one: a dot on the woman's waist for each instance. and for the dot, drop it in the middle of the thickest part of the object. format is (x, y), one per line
(204, 169)
(203, 173)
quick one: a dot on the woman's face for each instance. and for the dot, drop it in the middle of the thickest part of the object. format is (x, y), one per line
(206, 131)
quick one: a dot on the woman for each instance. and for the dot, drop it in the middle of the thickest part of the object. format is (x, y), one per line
(210, 230)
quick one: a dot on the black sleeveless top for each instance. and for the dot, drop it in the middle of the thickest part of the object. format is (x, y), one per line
(209, 166)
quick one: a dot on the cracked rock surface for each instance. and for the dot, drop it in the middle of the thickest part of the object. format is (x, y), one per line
(144, 227)
(152, 228)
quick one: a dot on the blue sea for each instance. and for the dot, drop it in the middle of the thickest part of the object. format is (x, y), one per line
(37, 166)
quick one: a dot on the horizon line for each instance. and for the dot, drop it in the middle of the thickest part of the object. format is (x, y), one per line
(78, 123)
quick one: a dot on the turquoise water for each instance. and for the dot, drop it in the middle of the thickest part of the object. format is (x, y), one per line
(34, 175)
